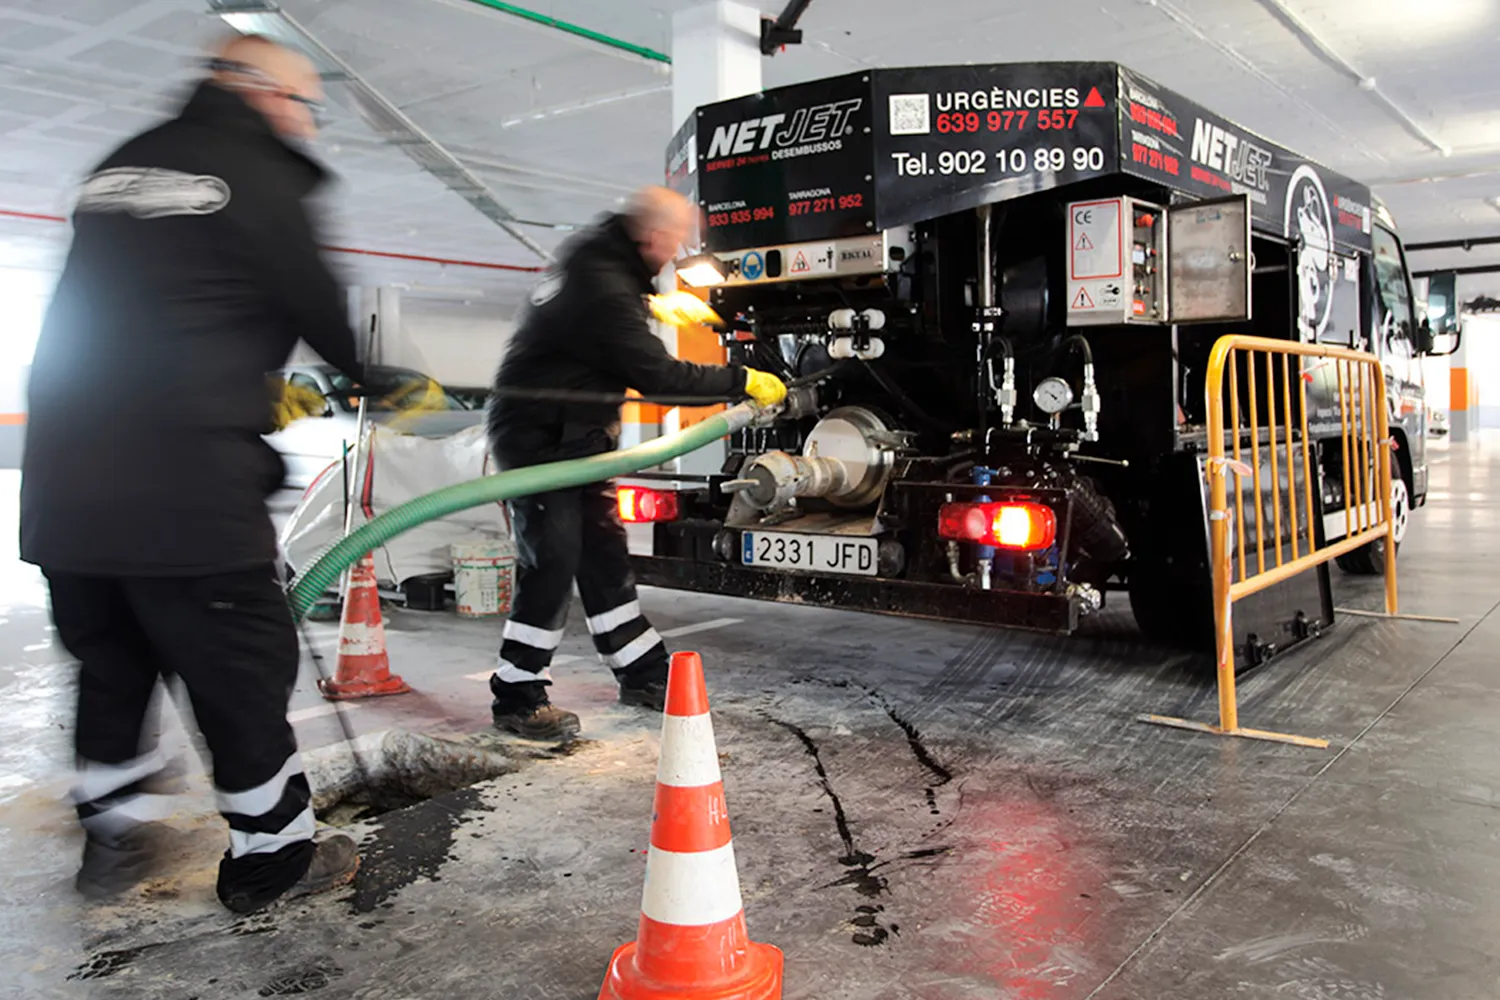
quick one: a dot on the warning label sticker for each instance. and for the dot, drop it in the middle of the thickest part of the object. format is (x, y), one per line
(1083, 300)
(1095, 243)
(806, 260)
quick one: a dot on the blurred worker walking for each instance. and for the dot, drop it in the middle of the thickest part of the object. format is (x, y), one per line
(193, 272)
(585, 330)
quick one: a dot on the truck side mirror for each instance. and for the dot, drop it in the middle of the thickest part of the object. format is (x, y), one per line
(1432, 344)
(1426, 340)
(1439, 344)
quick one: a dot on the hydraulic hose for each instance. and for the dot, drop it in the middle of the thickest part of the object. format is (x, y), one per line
(506, 486)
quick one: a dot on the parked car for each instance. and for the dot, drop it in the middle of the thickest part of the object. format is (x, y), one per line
(1437, 422)
(396, 468)
(400, 399)
(473, 397)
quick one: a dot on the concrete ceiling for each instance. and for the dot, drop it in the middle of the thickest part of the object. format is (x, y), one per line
(560, 128)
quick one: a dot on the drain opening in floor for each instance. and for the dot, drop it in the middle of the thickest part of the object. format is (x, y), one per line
(399, 769)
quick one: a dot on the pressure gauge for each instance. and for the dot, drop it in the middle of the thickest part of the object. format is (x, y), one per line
(1052, 395)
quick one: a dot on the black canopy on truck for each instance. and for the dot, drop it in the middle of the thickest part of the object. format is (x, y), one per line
(854, 154)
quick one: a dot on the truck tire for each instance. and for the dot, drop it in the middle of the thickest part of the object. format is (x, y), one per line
(1369, 560)
(1169, 609)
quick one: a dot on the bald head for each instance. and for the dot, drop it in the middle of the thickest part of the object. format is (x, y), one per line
(661, 220)
(280, 83)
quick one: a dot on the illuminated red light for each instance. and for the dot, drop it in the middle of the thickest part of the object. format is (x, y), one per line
(639, 505)
(1022, 526)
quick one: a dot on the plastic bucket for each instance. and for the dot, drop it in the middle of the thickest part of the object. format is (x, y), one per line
(482, 577)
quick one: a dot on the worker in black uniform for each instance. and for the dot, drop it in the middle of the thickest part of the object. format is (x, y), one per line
(193, 272)
(585, 330)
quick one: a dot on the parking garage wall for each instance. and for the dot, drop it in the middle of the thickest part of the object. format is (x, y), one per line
(458, 346)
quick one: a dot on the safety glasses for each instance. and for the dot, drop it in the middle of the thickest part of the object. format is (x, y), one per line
(263, 81)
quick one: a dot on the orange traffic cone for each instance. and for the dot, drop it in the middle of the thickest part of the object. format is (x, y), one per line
(691, 943)
(363, 669)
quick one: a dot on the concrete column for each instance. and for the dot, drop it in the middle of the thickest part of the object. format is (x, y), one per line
(387, 346)
(1463, 394)
(13, 414)
(715, 57)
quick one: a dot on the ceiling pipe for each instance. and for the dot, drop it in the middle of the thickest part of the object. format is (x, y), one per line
(576, 30)
(265, 17)
(1181, 18)
(387, 254)
(1475, 269)
(777, 33)
(1473, 241)
(1320, 47)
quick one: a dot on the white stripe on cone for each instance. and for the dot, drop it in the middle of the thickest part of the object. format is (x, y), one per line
(691, 890)
(689, 758)
(362, 639)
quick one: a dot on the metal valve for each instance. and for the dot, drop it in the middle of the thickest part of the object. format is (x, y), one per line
(1090, 402)
(1005, 396)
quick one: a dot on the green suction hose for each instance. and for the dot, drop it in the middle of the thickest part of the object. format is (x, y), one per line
(506, 486)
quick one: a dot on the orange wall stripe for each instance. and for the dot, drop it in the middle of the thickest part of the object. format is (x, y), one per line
(1458, 388)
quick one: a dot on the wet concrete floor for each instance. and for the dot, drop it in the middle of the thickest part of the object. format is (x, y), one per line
(921, 811)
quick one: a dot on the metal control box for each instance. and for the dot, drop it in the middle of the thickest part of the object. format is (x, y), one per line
(1116, 250)
(1131, 261)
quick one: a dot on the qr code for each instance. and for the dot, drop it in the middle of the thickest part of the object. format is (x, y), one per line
(910, 114)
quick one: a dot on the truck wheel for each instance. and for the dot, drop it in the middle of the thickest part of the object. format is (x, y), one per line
(1369, 560)
(1168, 610)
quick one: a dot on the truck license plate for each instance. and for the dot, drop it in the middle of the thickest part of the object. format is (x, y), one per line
(811, 553)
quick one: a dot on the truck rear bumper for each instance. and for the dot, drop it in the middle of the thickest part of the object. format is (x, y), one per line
(1011, 609)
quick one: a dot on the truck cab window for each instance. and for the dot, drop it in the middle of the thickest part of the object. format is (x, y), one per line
(1394, 319)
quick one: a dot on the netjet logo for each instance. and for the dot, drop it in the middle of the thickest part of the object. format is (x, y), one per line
(1239, 158)
(819, 123)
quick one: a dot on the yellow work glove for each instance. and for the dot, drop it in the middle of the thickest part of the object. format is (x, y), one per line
(763, 387)
(681, 309)
(413, 399)
(295, 402)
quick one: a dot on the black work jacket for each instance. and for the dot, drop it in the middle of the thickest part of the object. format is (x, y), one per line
(585, 329)
(193, 272)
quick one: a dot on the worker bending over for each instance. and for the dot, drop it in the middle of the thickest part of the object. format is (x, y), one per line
(193, 272)
(585, 330)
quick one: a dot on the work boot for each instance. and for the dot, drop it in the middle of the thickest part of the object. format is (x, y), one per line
(525, 709)
(647, 689)
(112, 866)
(334, 863)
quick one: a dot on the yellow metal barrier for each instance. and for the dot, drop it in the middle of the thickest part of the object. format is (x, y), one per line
(1357, 381)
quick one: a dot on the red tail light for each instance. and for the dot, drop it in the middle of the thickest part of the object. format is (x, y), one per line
(1021, 525)
(639, 505)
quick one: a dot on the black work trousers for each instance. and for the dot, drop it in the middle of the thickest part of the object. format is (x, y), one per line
(231, 641)
(563, 537)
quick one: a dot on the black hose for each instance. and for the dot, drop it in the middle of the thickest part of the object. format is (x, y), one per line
(906, 402)
(1083, 345)
(617, 399)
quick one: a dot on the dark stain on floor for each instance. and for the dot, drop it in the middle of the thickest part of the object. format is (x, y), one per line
(308, 977)
(859, 865)
(913, 739)
(103, 964)
(411, 844)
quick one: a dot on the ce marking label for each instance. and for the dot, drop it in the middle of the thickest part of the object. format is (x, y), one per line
(1084, 217)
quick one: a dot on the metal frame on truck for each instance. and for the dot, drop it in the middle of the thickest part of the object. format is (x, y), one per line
(1007, 283)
